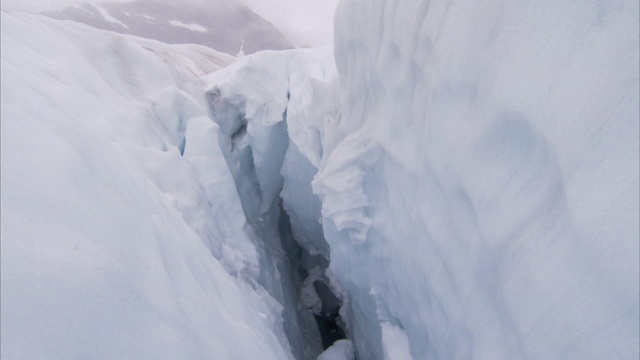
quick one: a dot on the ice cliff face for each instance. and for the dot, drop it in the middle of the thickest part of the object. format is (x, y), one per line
(122, 232)
(480, 193)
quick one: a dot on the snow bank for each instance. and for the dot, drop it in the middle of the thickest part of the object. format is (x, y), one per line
(122, 232)
(480, 188)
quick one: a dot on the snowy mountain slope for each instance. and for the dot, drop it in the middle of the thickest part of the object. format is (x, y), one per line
(224, 25)
(122, 232)
(496, 177)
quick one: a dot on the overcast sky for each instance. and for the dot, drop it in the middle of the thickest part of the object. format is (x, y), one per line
(305, 22)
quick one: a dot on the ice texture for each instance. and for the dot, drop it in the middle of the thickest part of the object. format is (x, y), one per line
(462, 182)
(480, 190)
(272, 108)
(123, 235)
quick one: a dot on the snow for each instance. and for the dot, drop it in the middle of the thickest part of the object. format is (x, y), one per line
(192, 27)
(105, 14)
(453, 180)
(480, 189)
(395, 342)
(271, 108)
(464, 181)
(122, 233)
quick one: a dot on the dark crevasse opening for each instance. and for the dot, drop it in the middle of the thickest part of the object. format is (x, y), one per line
(326, 306)
(329, 322)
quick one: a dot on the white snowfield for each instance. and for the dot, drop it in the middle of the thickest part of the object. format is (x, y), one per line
(469, 172)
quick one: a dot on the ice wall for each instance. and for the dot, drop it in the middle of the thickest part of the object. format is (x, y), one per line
(480, 189)
(123, 235)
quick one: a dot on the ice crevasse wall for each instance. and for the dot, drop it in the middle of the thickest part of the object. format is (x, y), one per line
(122, 232)
(477, 179)
(499, 160)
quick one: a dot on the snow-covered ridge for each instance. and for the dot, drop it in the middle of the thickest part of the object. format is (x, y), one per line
(106, 16)
(224, 25)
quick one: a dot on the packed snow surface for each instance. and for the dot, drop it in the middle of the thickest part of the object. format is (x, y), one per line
(122, 232)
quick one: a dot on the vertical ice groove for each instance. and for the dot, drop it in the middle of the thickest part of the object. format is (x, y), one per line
(272, 108)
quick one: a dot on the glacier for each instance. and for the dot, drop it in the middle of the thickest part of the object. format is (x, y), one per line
(471, 197)
(452, 180)
(482, 197)
(122, 231)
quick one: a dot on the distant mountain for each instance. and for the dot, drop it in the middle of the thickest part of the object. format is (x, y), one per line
(224, 25)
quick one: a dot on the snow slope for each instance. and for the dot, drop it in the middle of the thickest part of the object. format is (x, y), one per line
(480, 193)
(122, 232)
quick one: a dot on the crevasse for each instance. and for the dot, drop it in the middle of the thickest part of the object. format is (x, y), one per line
(462, 183)
(474, 179)
(271, 111)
